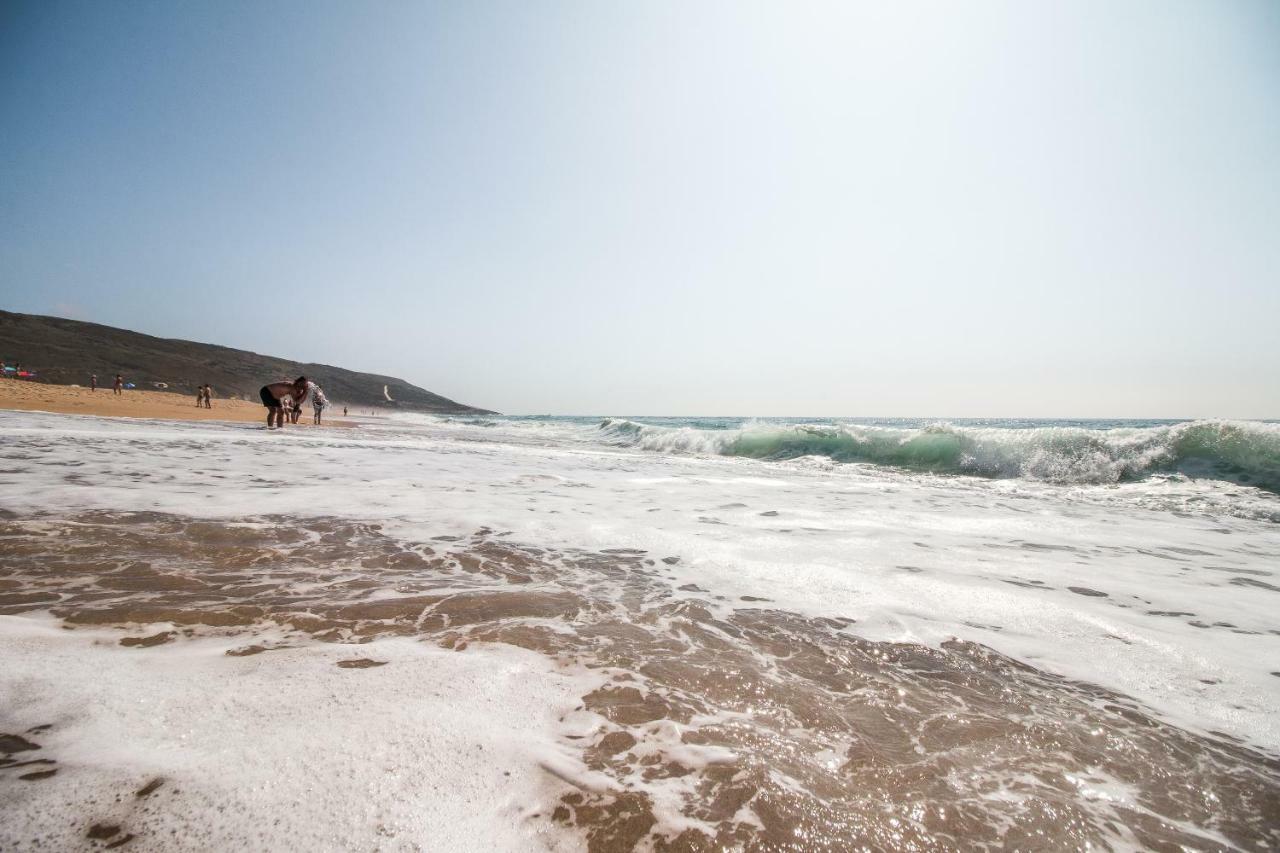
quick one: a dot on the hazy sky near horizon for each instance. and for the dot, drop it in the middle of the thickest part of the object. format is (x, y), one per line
(917, 209)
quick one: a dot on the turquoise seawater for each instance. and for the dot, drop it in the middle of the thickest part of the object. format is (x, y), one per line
(1084, 451)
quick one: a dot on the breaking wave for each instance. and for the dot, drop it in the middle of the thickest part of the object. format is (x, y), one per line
(1244, 452)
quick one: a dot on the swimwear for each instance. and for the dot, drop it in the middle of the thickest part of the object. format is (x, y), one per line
(268, 399)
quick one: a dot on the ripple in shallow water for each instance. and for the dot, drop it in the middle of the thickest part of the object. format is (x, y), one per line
(717, 726)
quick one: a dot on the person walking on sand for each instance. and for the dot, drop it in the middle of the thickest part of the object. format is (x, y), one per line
(274, 396)
(199, 395)
(118, 387)
(208, 396)
(318, 402)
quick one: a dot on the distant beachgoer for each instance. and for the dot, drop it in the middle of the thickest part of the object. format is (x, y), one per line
(276, 394)
(199, 396)
(208, 396)
(344, 411)
(318, 402)
(93, 382)
(118, 387)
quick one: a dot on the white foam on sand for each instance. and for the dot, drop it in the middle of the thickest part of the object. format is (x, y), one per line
(1149, 588)
(283, 750)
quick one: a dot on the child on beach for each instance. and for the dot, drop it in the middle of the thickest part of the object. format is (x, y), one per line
(318, 402)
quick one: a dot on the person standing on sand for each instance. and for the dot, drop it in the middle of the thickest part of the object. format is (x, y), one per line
(208, 396)
(93, 382)
(118, 387)
(318, 402)
(199, 395)
(274, 395)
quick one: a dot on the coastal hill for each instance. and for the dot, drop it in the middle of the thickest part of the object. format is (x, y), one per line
(67, 352)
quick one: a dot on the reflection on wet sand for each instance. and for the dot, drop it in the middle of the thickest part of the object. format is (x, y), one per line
(717, 726)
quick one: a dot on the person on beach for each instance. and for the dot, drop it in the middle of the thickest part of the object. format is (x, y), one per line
(208, 396)
(318, 402)
(199, 395)
(274, 397)
(93, 382)
(118, 387)
(344, 411)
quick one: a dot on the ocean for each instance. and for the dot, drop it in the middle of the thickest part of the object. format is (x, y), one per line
(616, 633)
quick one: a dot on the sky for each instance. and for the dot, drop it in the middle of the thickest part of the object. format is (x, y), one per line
(720, 208)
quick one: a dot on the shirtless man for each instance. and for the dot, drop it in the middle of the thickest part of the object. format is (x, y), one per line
(118, 386)
(273, 397)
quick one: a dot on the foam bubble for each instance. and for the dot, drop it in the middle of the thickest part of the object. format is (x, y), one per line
(436, 749)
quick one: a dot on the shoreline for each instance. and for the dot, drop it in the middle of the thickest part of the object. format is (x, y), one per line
(24, 396)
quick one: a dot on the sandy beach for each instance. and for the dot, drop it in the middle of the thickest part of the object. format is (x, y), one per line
(133, 403)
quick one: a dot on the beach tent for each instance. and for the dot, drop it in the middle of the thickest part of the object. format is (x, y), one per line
(130, 385)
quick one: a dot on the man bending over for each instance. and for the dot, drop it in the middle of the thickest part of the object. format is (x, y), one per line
(273, 397)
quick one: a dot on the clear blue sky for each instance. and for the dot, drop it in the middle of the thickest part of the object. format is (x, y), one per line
(1022, 208)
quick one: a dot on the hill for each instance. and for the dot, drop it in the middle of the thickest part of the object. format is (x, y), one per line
(67, 352)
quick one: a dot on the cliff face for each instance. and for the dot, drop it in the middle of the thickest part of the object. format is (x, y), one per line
(67, 352)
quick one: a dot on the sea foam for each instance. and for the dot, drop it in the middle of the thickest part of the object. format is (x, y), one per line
(283, 750)
(1242, 451)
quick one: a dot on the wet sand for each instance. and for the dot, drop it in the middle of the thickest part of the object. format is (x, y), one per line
(135, 403)
(713, 724)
